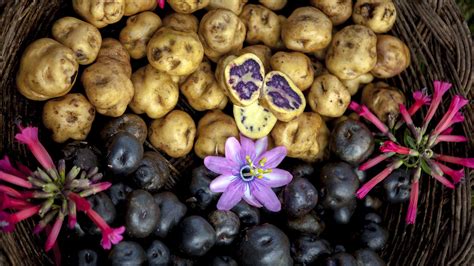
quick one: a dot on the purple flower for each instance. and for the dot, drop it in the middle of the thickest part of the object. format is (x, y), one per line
(248, 171)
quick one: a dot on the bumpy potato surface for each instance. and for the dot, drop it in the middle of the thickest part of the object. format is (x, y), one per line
(100, 13)
(138, 31)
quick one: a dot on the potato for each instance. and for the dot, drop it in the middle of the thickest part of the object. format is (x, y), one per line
(378, 15)
(263, 25)
(69, 117)
(305, 137)
(264, 53)
(187, 6)
(273, 4)
(328, 96)
(212, 132)
(232, 5)
(307, 30)
(337, 11)
(114, 52)
(100, 13)
(295, 65)
(156, 94)
(175, 52)
(181, 22)
(138, 31)
(83, 38)
(321, 54)
(383, 100)
(353, 85)
(220, 70)
(221, 32)
(130, 123)
(393, 57)
(173, 134)
(137, 6)
(318, 68)
(202, 90)
(47, 70)
(352, 52)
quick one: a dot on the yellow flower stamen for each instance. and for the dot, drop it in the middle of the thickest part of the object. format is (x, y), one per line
(263, 161)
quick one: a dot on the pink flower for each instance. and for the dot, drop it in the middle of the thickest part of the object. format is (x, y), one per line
(412, 207)
(390, 146)
(363, 111)
(442, 180)
(467, 162)
(161, 3)
(421, 98)
(365, 189)
(29, 136)
(456, 175)
(376, 160)
(56, 251)
(15, 180)
(7, 167)
(456, 104)
(95, 188)
(8, 221)
(10, 192)
(248, 172)
(12, 203)
(450, 138)
(53, 235)
(72, 214)
(440, 89)
(408, 120)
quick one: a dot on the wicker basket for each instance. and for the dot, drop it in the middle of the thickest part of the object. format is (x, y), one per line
(441, 48)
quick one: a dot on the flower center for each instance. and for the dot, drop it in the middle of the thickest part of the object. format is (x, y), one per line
(250, 171)
(428, 153)
(246, 173)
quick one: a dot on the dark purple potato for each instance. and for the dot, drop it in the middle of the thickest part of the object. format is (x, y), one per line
(352, 141)
(368, 257)
(362, 175)
(343, 214)
(373, 236)
(339, 184)
(103, 205)
(307, 249)
(341, 259)
(130, 123)
(248, 215)
(226, 224)
(195, 236)
(264, 245)
(127, 253)
(372, 217)
(124, 154)
(199, 188)
(118, 193)
(142, 214)
(305, 170)
(81, 154)
(152, 172)
(299, 197)
(158, 254)
(397, 186)
(307, 224)
(87, 257)
(223, 261)
(180, 261)
(172, 211)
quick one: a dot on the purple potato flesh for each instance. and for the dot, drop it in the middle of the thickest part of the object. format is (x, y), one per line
(281, 93)
(246, 79)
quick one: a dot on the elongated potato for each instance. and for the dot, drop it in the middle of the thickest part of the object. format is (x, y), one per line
(137, 6)
(138, 31)
(263, 25)
(100, 13)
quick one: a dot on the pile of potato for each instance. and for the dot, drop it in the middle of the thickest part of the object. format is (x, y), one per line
(327, 50)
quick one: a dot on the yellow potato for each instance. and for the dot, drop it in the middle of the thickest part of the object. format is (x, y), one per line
(235, 6)
(328, 96)
(100, 13)
(263, 25)
(295, 65)
(138, 31)
(393, 57)
(133, 7)
(181, 22)
(274, 4)
(264, 53)
(187, 6)
(353, 85)
(338, 11)
(383, 100)
(378, 15)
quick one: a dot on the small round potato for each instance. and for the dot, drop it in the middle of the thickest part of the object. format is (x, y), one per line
(202, 91)
(337, 11)
(235, 6)
(173, 134)
(156, 94)
(181, 22)
(264, 53)
(83, 38)
(137, 6)
(383, 100)
(139, 30)
(187, 6)
(175, 52)
(274, 5)
(353, 85)
(100, 13)
(307, 30)
(48, 69)
(130, 123)
(328, 96)
(69, 117)
(378, 15)
(213, 130)
(305, 137)
(221, 32)
(393, 57)
(114, 52)
(263, 25)
(296, 65)
(352, 52)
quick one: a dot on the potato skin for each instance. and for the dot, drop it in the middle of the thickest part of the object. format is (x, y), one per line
(138, 31)
(47, 70)
(352, 52)
(202, 90)
(328, 96)
(155, 92)
(383, 100)
(99, 13)
(337, 11)
(305, 137)
(353, 85)
(378, 15)
(137, 6)
(213, 130)
(274, 5)
(393, 57)
(83, 38)
(187, 6)
(173, 134)
(295, 65)
(181, 22)
(263, 25)
(114, 52)
(307, 30)
(264, 53)
(130, 123)
(69, 117)
(175, 52)
(235, 6)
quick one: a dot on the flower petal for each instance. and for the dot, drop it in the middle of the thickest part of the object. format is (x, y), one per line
(274, 157)
(249, 198)
(277, 178)
(220, 165)
(220, 183)
(232, 150)
(248, 148)
(261, 146)
(231, 196)
(265, 195)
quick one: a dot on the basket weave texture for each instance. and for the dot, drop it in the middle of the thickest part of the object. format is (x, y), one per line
(441, 49)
